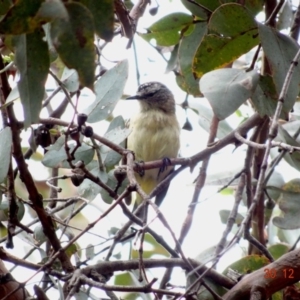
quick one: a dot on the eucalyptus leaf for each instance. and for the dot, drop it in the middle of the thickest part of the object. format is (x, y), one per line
(73, 38)
(289, 206)
(89, 189)
(90, 251)
(4, 210)
(58, 158)
(20, 17)
(187, 49)
(32, 60)
(232, 33)
(202, 12)
(103, 16)
(109, 89)
(166, 31)
(227, 89)
(205, 115)
(293, 159)
(280, 51)
(5, 152)
(112, 183)
(117, 135)
(70, 79)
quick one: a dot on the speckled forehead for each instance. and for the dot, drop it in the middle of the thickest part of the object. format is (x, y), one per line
(149, 85)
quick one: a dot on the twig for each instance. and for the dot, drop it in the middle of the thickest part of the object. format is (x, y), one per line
(280, 145)
(274, 12)
(7, 67)
(199, 183)
(272, 135)
(233, 214)
(296, 25)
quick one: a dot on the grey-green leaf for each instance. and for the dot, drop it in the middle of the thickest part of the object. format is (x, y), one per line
(227, 89)
(89, 189)
(109, 89)
(5, 151)
(205, 115)
(187, 49)
(73, 38)
(280, 50)
(58, 158)
(32, 60)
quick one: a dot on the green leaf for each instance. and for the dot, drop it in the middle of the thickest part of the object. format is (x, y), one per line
(205, 115)
(32, 60)
(167, 30)
(13, 96)
(69, 78)
(280, 51)
(265, 97)
(227, 89)
(233, 33)
(201, 12)
(172, 62)
(58, 158)
(50, 11)
(254, 6)
(203, 293)
(73, 38)
(109, 89)
(103, 15)
(5, 152)
(72, 249)
(155, 249)
(225, 213)
(231, 20)
(187, 49)
(112, 183)
(21, 18)
(90, 251)
(5, 6)
(4, 210)
(248, 264)
(278, 250)
(293, 159)
(289, 205)
(88, 189)
(116, 134)
(39, 235)
(274, 185)
(209, 4)
(285, 16)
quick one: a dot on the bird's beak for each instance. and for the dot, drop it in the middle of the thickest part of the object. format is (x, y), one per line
(135, 97)
(131, 97)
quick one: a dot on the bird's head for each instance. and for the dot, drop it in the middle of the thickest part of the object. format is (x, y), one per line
(155, 95)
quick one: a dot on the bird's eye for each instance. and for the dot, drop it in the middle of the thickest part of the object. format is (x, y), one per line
(149, 95)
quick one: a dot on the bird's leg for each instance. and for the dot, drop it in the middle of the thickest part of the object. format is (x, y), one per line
(139, 168)
(166, 162)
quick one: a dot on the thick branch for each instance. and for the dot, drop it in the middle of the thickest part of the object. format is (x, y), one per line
(272, 278)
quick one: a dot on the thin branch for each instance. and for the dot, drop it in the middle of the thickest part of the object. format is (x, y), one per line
(295, 28)
(272, 135)
(199, 183)
(280, 145)
(233, 214)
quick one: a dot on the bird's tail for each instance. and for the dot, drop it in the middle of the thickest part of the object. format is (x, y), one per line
(147, 187)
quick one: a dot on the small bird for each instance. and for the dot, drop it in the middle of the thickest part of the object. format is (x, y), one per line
(155, 135)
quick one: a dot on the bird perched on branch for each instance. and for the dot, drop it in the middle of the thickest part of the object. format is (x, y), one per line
(155, 135)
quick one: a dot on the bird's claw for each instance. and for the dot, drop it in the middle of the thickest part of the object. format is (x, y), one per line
(166, 162)
(139, 168)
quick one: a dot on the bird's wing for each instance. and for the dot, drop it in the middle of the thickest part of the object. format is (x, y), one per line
(128, 199)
